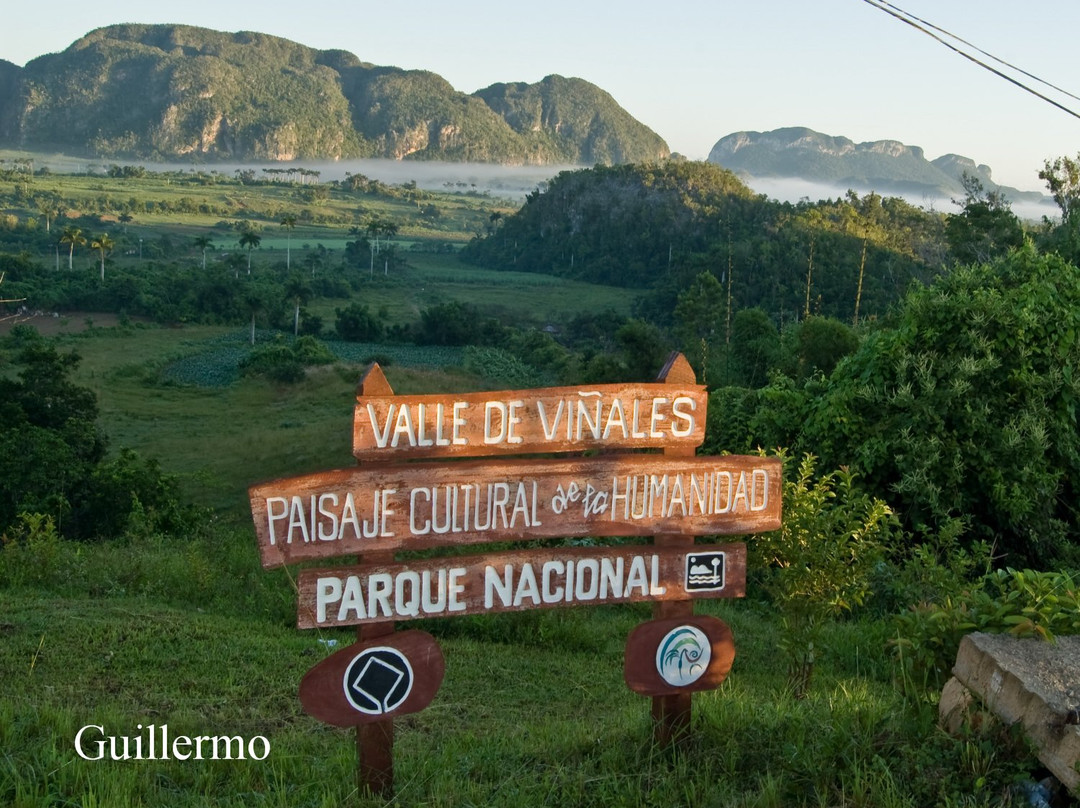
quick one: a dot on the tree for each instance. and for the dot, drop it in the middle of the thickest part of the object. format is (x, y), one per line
(255, 300)
(986, 228)
(288, 221)
(249, 239)
(72, 236)
(203, 243)
(356, 324)
(1062, 177)
(103, 244)
(297, 290)
(697, 314)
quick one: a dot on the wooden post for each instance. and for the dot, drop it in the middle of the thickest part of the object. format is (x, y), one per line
(671, 714)
(375, 740)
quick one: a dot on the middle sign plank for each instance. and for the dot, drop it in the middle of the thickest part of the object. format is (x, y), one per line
(422, 505)
(517, 580)
(546, 420)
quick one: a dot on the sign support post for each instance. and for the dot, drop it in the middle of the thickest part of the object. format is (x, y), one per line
(671, 714)
(375, 740)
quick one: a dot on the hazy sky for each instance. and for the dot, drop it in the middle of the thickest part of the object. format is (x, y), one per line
(693, 71)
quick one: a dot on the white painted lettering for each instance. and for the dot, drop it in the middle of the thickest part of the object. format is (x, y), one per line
(273, 517)
(327, 591)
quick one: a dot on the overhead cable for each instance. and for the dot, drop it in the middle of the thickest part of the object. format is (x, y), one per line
(924, 27)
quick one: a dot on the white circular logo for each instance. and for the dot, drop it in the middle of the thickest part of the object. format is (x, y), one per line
(378, 680)
(683, 656)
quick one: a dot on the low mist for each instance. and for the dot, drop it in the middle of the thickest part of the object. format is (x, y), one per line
(515, 182)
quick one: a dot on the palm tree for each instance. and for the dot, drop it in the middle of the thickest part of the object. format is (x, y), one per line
(297, 288)
(103, 244)
(288, 221)
(203, 243)
(255, 301)
(72, 235)
(251, 240)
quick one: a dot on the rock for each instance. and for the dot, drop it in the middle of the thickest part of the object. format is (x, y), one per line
(1031, 681)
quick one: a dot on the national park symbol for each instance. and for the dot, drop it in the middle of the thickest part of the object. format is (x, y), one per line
(683, 656)
(378, 680)
(704, 572)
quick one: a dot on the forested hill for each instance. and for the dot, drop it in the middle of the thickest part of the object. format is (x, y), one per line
(173, 91)
(658, 226)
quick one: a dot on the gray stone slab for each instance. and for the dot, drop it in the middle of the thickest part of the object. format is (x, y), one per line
(1034, 682)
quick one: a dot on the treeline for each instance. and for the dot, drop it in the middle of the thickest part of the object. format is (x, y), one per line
(657, 227)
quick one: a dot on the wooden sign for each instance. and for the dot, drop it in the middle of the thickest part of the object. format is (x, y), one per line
(556, 419)
(678, 655)
(374, 680)
(415, 506)
(517, 580)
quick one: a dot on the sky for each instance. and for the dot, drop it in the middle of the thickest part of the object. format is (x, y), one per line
(693, 71)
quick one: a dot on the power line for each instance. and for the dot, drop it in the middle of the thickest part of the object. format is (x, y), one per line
(980, 50)
(919, 24)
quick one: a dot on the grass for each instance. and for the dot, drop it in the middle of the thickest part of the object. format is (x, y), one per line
(532, 711)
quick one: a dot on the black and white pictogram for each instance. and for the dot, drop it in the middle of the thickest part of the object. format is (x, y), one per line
(378, 680)
(704, 572)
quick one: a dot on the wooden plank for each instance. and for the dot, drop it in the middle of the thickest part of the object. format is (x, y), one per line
(375, 680)
(678, 655)
(514, 422)
(415, 506)
(517, 581)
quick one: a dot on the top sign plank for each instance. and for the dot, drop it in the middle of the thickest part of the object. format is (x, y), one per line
(545, 420)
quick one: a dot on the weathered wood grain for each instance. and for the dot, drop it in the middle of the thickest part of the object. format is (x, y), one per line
(517, 580)
(416, 506)
(514, 422)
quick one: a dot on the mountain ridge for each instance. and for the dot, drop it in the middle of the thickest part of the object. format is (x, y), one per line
(881, 165)
(176, 91)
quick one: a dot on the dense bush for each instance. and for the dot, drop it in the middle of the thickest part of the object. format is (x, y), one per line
(53, 455)
(284, 360)
(965, 408)
(968, 407)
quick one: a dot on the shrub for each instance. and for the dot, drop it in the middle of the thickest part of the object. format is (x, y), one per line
(819, 564)
(1024, 603)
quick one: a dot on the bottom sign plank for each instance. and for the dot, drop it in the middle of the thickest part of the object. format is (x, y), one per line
(518, 580)
(374, 680)
(678, 655)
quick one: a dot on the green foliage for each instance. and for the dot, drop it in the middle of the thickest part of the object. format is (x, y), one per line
(356, 324)
(817, 344)
(1024, 603)
(52, 456)
(456, 323)
(30, 551)
(285, 360)
(501, 367)
(968, 408)
(819, 564)
(663, 226)
(699, 320)
(754, 349)
(985, 229)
